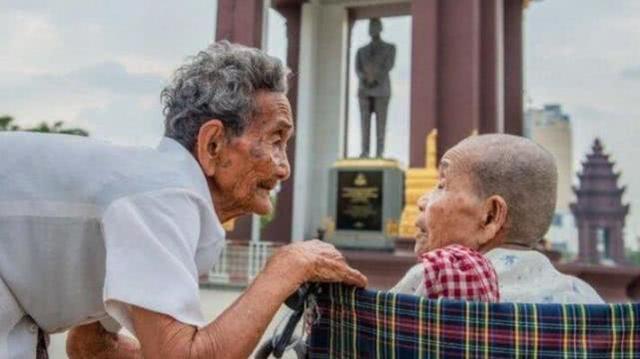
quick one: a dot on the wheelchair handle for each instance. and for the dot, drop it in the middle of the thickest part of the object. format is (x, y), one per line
(296, 302)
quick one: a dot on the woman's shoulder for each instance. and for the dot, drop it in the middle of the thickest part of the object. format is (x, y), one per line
(529, 276)
(411, 280)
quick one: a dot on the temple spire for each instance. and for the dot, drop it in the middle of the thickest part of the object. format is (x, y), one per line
(599, 212)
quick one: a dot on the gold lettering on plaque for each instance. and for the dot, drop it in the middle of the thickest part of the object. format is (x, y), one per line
(360, 198)
(360, 180)
(360, 195)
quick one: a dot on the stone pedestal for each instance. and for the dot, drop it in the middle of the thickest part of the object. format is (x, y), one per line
(365, 203)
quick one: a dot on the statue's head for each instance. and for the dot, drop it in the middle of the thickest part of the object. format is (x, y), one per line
(228, 106)
(493, 190)
(375, 27)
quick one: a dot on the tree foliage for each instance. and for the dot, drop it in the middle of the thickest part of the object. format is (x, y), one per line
(7, 124)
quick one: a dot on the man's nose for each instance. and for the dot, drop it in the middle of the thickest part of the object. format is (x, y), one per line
(283, 170)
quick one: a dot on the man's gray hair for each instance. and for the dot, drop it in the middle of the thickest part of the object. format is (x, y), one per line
(523, 173)
(219, 83)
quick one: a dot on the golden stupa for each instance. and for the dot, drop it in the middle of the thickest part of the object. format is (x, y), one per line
(419, 181)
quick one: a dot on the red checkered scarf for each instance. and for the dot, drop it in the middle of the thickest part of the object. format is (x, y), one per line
(457, 272)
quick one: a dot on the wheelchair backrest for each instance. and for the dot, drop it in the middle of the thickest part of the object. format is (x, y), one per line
(355, 323)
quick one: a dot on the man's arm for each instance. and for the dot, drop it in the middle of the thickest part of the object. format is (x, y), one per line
(237, 331)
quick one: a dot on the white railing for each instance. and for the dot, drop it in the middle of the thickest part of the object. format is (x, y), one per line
(240, 262)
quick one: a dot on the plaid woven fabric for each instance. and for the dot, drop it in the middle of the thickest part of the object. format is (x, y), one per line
(458, 272)
(365, 324)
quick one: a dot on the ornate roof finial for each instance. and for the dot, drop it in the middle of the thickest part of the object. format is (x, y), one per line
(597, 146)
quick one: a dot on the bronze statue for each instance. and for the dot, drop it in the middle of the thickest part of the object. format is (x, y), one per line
(373, 63)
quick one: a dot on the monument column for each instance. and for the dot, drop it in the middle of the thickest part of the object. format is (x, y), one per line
(592, 243)
(458, 71)
(491, 65)
(617, 247)
(446, 72)
(513, 78)
(584, 249)
(279, 230)
(240, 21)
(424, 50)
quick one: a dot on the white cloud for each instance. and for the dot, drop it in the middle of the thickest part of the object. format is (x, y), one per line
(585, 54)
(26, 36)
(631, 73)
(99, 65)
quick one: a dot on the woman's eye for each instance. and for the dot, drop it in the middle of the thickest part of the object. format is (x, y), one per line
(440, 186)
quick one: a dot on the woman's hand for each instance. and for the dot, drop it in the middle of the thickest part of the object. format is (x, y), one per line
(314, 261)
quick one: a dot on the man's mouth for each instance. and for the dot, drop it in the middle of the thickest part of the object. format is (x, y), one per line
(267, 185)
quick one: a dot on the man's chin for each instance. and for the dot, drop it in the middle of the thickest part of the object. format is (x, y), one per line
(262, 209)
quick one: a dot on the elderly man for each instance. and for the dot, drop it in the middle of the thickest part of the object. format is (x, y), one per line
(95, 236)
(497, 194)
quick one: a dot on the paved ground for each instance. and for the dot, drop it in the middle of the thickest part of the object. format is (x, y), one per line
(214, 301)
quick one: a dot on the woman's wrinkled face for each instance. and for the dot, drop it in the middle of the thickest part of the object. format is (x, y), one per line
(252, 164)
(452, 213)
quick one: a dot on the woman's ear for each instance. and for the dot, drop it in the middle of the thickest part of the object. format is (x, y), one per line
(211, 139)
(495, 218)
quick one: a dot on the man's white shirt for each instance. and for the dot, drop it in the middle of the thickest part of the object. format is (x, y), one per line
(88, 228)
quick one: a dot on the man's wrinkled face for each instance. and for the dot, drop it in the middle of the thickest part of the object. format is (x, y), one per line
(253, 163)
(452, 213)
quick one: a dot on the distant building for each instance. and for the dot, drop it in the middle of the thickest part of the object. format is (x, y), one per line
(599, 210)
(551, 128)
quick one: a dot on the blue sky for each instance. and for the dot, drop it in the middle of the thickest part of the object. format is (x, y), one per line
(101, 65)
(585, 55)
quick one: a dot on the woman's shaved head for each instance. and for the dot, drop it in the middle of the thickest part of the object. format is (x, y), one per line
(520, 171)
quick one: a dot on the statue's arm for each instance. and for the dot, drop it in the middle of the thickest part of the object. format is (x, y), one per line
(359, 65)
(388, 63)
(391, 59)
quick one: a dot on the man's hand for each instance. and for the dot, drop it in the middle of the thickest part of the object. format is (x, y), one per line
(314, 261)
(236, 332)
(93, 341)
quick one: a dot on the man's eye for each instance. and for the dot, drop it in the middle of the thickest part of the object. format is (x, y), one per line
(440, 186)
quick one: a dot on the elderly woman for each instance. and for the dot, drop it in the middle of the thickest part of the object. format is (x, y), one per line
(94, 237)
(497, 195)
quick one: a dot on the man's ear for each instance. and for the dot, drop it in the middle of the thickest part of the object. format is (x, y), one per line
(211, 139)
(495, 218)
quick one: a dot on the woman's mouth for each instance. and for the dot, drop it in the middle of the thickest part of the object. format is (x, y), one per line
(422, 235)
